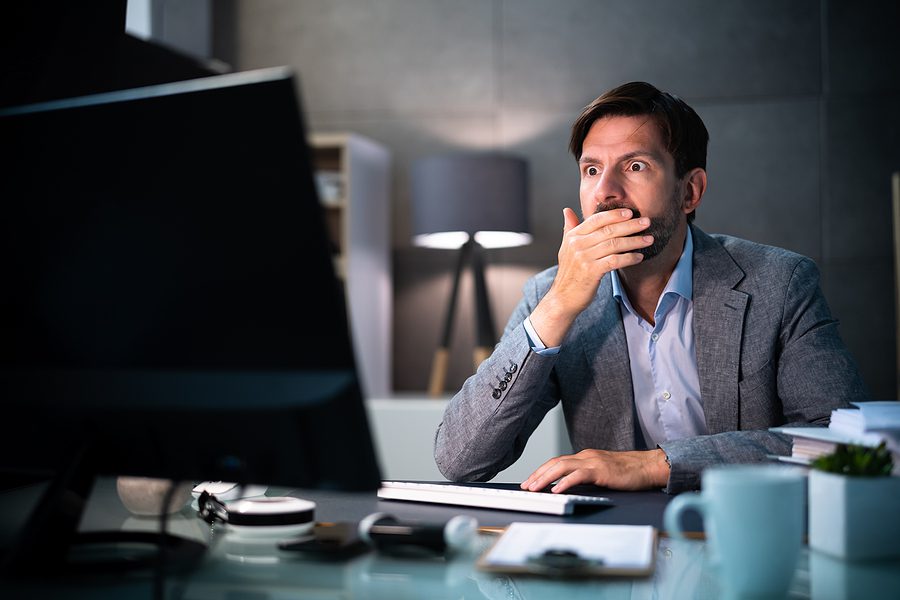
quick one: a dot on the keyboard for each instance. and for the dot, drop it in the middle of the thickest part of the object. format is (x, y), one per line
(486, 497)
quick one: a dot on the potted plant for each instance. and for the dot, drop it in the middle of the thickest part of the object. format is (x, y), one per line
(854, 504)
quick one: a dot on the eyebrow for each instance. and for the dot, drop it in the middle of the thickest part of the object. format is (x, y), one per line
(627, 156)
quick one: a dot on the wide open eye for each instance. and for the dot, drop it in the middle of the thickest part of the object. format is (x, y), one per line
(637, 166)
(592, 171)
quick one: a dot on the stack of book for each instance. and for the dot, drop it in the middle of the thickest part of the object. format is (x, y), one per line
(867, 424)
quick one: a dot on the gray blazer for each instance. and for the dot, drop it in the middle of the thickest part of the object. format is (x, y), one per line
(768, 354)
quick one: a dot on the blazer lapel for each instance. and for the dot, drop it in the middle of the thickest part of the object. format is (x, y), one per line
(718, 329)
(606, 352)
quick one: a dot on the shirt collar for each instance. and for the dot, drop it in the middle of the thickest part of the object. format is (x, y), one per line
(681, 281)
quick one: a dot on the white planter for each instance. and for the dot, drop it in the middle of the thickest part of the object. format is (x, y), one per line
(854, 518)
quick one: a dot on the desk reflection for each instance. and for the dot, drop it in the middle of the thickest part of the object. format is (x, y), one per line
(682, 571)
(835, 579)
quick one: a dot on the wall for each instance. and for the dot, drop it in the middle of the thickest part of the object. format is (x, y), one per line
(800, 99)
(185, 25)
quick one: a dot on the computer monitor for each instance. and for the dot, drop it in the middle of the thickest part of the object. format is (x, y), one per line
(168, 305)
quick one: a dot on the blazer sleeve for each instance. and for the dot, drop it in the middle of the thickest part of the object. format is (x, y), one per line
(487, 423)
(814, 372)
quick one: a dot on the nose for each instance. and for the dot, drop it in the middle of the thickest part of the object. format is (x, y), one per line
(608, 186)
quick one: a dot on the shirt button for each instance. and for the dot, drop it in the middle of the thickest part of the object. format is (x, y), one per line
(654, 337)
(666, 395)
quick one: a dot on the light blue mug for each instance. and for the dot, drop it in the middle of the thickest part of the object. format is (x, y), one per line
(753, 516)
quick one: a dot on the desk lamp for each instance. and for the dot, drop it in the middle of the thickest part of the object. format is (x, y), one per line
(468, 202)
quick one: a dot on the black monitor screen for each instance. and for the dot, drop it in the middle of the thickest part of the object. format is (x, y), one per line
(168, 301)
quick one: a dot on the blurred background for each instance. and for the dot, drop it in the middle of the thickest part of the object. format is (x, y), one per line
(800, 97)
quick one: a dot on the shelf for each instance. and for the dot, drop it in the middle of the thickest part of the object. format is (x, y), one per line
(353, 179)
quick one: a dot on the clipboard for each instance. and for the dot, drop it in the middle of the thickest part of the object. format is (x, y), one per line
(572, 550)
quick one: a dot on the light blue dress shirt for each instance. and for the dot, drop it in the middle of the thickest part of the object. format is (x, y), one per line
(663, 358)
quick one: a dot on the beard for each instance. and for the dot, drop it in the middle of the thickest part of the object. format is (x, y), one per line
(661, 228)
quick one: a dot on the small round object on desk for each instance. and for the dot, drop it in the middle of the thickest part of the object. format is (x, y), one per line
(460, 531)
(387, 533)
(278, 516)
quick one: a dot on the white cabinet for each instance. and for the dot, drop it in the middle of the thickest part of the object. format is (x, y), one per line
(403, 428)
(353, 175)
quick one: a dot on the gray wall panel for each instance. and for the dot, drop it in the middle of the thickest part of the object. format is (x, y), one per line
(393, 55)
(863, 46)
(763, 169)
(863, 149)
(564, 53)
(861, 296)
(184, 24)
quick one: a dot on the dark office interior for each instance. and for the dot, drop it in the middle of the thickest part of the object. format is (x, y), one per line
(800, 99)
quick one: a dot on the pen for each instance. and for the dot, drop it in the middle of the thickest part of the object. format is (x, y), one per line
(491, 530)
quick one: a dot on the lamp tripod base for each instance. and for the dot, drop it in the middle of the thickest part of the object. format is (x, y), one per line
(438, 372)
(480, 354)
(439, 363)
(470, 251)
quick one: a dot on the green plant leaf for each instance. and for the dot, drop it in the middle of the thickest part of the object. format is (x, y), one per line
(856, 461)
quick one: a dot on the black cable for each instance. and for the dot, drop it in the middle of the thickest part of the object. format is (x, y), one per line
(214, 513)
(159, 579)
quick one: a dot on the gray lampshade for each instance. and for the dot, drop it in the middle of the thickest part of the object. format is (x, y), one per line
(456, 196)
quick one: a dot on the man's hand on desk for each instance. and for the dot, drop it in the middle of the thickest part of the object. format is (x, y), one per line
(635, 470)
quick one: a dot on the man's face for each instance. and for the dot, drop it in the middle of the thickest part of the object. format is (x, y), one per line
(624, 164)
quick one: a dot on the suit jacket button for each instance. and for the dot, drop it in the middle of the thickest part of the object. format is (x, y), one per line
(496, 394)
(513, 367)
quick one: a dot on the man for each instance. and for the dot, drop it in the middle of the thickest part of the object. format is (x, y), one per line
(670, 349)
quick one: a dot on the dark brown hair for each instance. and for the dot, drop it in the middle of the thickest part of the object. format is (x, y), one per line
(683, 131)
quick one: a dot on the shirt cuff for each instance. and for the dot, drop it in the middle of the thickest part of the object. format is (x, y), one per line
(537, 346)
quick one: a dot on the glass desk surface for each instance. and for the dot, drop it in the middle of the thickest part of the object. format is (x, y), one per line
(237, 570)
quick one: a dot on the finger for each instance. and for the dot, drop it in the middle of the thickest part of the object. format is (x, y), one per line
(629, 227)
(607, 257)
(555, 472)
(570, 220)
(630, 232)
(608, 240)
(607, 217)
(574, 478)
(612, 262)
(538, 472)
(618, 245)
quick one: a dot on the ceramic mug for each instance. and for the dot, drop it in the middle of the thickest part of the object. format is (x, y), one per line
(144, 496)
(753, 516)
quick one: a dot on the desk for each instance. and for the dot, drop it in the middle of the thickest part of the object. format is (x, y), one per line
(683, 569)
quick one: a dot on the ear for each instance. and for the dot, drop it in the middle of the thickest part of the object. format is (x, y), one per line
(694, 187)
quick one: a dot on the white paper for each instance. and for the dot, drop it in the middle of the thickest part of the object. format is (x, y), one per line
(618, 546)
(877, 415)
(827, 434)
